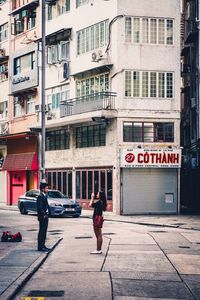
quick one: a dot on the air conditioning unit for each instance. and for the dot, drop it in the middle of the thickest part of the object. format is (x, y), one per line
(66, 72)
(193, 102)
(37, 108)
(4, 128)
(2, 52)
(17, 17)
(97, 56)
(3, 69)
(51, 115)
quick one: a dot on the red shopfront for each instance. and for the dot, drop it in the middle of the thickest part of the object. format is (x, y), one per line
(21, 167)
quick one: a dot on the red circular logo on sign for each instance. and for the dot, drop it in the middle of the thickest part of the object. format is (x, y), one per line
(129, 157)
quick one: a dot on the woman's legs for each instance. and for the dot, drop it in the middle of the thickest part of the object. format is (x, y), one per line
(98, 234)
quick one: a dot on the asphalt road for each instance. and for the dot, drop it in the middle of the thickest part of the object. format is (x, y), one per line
(138, 262)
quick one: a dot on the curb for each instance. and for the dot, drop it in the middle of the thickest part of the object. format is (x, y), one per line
(7, 207)
(17, 285)
(147, 223)
(186, 227)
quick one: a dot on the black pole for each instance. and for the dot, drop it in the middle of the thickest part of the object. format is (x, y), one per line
(42, 82)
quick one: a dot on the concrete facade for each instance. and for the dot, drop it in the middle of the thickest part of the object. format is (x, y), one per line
(122, 56)
(91, 47)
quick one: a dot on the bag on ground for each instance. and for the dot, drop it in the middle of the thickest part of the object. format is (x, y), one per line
(17, 237)
(6, 236)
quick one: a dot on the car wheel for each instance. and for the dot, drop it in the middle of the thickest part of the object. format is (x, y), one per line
(23, 210)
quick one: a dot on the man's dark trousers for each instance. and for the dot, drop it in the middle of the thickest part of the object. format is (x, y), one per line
(43, 224)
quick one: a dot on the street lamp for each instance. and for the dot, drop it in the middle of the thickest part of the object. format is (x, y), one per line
(42, 89)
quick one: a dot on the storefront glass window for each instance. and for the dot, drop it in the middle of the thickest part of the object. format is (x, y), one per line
(54, 181)
(64, 183)
(109, 184)
(102, 180)
(93, 181)
(89, 184)
(78, 184)
(84, 185)
(49, 179)
(69, 184)
(59, 181)
(96, 182)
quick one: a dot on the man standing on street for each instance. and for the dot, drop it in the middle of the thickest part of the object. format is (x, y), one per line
(42, 210)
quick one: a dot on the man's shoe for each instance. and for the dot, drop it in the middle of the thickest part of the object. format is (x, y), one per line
(48, 249)
(96, 252)
(43, 249)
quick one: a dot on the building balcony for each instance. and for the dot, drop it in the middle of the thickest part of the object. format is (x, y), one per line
(26, 4)
(190, 31)
(3, 56)
(185, 69)
(89, 103)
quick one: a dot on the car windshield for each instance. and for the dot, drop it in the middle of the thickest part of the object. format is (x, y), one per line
(55, 194)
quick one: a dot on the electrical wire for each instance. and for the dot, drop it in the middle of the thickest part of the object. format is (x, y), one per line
(109, 30)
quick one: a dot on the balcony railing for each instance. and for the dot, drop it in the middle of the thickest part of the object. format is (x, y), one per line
(96, 101)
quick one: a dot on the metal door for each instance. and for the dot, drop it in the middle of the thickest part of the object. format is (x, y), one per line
(149, 191)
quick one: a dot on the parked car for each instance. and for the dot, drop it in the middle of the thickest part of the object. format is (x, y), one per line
(59, 204)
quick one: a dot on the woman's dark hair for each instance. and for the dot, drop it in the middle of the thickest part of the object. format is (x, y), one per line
(102, 197)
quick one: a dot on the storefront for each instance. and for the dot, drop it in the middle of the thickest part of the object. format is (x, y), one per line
(20, 165)
(150, 181)
(79, 183)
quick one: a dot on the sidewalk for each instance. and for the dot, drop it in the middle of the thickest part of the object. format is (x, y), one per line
(19, 261)
(175, 221)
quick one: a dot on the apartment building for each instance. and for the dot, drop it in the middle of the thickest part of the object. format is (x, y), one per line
(4, 88)
(113, 102)
(190, 117)
(20, 163)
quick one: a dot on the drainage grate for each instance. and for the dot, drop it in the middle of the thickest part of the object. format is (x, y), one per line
(55, 230)
(158, 231)
(83, 237)
(39, 293)
(54, 233)
(31, 229)
(184, 247)
(109, 233)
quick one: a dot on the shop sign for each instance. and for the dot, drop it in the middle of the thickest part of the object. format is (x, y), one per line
(27, 81)
(142, 158)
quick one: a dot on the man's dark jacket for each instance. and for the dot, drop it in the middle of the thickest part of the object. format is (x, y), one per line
(42, 206)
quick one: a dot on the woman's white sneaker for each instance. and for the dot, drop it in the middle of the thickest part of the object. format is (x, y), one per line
(96, 252)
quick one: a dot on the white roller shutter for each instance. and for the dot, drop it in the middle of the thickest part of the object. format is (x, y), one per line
(149, 191)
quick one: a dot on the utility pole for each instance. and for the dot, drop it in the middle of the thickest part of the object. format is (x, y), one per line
(42, 90)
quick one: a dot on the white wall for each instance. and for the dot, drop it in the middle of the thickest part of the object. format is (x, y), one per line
(3, 181)
(122, 56)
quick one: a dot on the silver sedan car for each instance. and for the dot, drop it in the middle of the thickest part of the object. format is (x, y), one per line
(59, 204)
